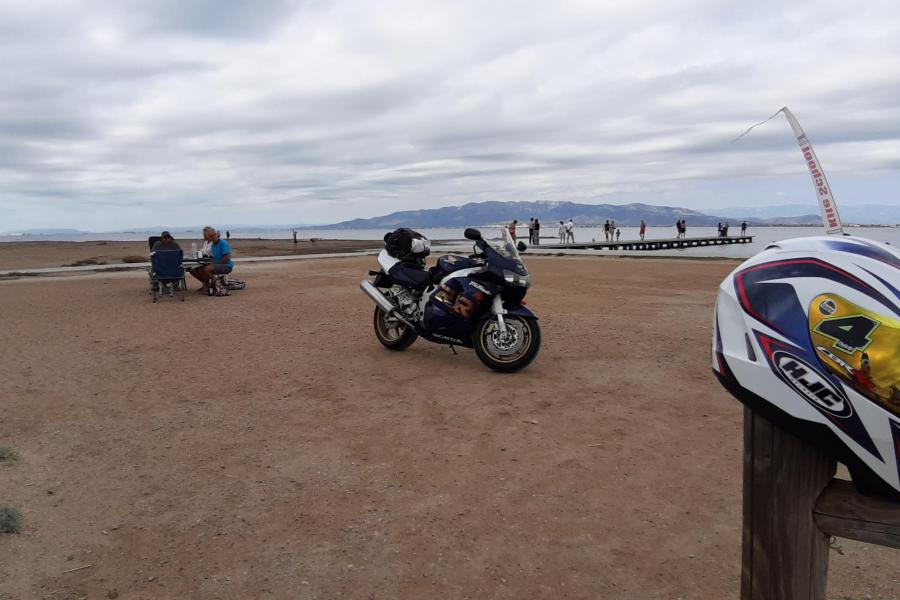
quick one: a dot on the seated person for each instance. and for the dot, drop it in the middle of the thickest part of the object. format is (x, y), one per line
(167, 242)
(206, 249)
(221, 264)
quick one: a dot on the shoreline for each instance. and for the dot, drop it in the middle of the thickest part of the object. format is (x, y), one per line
(26, 255)
(38, 258)
(78, 271)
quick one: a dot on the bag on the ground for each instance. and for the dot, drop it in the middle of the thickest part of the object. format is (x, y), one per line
(235, 284)
(217, 287)
(408, 245)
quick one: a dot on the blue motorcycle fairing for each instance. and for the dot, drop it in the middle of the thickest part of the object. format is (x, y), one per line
(454, 308)
(452, 263)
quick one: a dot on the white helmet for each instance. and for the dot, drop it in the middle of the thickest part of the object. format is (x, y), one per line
(807, 333)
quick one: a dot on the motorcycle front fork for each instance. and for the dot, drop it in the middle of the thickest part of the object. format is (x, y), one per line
(498, 310)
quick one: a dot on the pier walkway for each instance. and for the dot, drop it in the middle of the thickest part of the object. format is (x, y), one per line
(659, 244)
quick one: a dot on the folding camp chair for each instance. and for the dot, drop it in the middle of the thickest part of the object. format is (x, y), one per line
(167, 274)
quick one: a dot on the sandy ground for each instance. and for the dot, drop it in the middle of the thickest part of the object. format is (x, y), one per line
(32, 255)
(264, 445)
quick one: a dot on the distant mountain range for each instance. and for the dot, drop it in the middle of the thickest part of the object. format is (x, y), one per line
(626, 215)
(490, 213)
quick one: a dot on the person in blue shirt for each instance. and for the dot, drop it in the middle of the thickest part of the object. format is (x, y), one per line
(220, 252)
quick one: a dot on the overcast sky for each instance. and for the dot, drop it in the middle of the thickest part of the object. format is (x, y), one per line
(124, 113)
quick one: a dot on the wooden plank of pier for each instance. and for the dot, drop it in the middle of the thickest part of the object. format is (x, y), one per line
(659, 244)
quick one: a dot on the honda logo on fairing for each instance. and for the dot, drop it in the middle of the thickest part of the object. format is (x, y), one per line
(812, 385)
(447, 338)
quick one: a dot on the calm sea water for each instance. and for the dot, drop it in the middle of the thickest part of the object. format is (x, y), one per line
(762, 236)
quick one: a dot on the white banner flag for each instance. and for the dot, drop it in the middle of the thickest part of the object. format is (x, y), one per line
(830, 217)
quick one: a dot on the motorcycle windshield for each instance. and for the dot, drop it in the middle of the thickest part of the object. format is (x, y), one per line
(507, 247)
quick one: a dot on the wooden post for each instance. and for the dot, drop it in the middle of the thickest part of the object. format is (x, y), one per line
(785, 555)
(792, 506)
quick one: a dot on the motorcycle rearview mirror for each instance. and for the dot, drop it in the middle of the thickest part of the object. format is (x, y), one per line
(472, 234)
(522, 247)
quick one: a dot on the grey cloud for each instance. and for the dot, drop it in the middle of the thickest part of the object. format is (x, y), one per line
(212, 18)
(318, 107)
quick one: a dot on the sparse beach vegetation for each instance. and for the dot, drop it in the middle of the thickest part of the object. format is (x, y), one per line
(10, 519)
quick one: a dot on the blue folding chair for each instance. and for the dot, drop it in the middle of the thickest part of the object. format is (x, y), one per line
(166, 273)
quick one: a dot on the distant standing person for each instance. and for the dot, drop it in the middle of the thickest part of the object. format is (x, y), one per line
(295, 237)
(570, 231)
(643, 229)
(744, 228)
(562, 233)
(531, 230)
(606, 230)
(227, 235)
(618, 233)
(678, 229)
(683, 229)
(612, 229)
(537, 232)
(512, 228)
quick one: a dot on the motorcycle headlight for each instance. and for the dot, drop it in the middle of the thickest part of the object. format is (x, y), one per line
(513, 278)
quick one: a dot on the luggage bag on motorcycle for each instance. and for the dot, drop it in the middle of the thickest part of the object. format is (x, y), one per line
(407, 245)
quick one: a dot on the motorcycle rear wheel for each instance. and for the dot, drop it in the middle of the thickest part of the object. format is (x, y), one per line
(393, 334)
(510, 352)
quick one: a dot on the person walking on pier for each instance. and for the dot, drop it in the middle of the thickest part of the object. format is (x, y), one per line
(643, 229)
(570, 232)
(618, 233)
(562, 233)
(512, 228)
(606, 230)
(537, 232)
(683, 229)
(744, 228)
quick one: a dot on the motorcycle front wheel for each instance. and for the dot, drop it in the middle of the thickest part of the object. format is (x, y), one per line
(392, 333)
(510, 351)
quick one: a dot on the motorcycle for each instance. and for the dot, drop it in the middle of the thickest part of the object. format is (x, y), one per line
(474, 301)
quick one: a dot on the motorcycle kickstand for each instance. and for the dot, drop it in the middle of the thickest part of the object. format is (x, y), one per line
(452, 349)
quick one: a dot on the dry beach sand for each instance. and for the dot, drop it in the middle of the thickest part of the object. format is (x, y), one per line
(264, 445)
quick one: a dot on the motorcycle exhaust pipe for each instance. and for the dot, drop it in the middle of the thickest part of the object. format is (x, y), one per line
(376, 296)
(379, 299)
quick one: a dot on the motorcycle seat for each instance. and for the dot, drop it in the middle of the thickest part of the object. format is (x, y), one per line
(410, 275)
